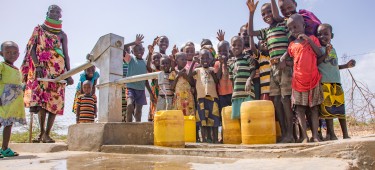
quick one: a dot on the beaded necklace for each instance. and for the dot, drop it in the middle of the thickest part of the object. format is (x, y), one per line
(53, 25)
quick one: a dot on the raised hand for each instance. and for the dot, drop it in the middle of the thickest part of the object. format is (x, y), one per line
(174, 50)
(138, 39)
(351, 63)
(156, 40)
(252, 6)
(328, 49)
(220, 35)
(150, 49)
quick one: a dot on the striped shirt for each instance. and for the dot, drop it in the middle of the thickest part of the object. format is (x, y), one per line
(277, 39)
(265, 72)
(86, 105)
(165, 84)
(239, 72)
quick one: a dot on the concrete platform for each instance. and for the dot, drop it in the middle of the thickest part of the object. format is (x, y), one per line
(91, 136)
(356, 153)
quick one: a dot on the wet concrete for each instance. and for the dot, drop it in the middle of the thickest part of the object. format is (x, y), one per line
(99, 161)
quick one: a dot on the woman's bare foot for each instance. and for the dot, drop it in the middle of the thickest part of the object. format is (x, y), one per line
(47, 139)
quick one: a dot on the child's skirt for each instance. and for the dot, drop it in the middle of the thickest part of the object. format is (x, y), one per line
(208, 112)
(11, 105)
(333, 105)
(236, 106)
(313, 97)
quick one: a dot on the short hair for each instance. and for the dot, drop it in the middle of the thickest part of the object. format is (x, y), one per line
(237, 37)
(225, 43)
(296, 17)
(8, 43)
(87, 82)
(180, 54)
(206, 42)
(265, 4)
(329, 26)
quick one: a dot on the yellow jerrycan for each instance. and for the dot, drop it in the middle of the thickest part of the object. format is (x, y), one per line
(169, 128)
(190, 126)
(231, 127)
(258, 122)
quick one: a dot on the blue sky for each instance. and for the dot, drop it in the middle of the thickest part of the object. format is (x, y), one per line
(85, 21)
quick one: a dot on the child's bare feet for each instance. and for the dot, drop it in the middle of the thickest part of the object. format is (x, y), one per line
(287, 140)
(317, 139)
(333, 137)
(346, 137)
(304, 140)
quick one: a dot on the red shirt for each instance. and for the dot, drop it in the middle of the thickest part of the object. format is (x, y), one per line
(305, 70)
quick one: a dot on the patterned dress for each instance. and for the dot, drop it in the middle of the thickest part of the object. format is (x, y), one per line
(184, 99)
(48, 95)
(11, 96)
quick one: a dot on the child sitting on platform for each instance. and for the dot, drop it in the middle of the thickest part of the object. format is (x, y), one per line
(86, 104)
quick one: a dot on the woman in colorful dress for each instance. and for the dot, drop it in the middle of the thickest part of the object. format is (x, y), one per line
(46, 57)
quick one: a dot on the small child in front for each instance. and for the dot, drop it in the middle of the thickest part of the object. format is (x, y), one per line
(86, 104)
(89, 74)
(12, 109)
(306, 90)
(207, 98)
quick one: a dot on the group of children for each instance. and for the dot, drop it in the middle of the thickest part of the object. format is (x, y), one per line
(293, 64)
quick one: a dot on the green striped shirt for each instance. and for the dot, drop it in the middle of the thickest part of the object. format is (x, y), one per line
(239, 72)
(277, 39)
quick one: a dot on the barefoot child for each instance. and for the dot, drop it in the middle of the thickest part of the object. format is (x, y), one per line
(241, 72)
(86, 104)
(136, 96)
(306, 89)
(184, 99)
(334, 103)
(208, 110)
(89, 74)
(12, 109)
(280, 80)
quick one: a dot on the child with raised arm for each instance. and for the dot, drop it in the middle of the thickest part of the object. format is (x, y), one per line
(207, 98)
(153, 65)
(221, 68)
(280, 80)
(306, 90)
(12, 109)
(166, 93)
(334, 103)
(89, 74)
(184, 99)
(136, 96)
(86, 104)
(241, 72)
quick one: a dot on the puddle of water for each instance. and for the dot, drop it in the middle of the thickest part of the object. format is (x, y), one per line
(100, 161)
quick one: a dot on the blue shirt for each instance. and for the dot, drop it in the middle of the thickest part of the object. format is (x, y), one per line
(136, 67)
(329, 68)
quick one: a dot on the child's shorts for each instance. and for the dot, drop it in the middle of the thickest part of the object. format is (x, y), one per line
(313, 97)
(236, 106)
(208, 112)
(162, 103)
(281, 81)
(138, 96)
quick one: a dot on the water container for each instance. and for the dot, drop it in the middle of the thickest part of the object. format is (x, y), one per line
(231, 127)
(258, 122)
(169, 128)
(190, 126)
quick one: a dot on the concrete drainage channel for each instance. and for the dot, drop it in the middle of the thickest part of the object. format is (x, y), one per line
(359, 152)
